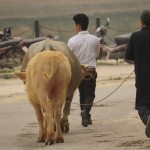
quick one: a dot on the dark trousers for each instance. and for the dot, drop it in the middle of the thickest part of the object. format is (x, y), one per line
(87, 91)
(144, 112)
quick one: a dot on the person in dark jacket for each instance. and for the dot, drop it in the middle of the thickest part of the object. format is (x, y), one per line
(138, 50)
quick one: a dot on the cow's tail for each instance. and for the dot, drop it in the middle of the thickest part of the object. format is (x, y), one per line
(54, 66)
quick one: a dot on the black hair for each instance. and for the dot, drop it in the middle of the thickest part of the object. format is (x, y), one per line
(145, 17)
(146, 23)
(82, 20)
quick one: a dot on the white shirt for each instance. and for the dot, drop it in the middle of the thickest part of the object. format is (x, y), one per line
(86, 47)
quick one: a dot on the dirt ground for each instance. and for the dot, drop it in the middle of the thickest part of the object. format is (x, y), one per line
(116, 125)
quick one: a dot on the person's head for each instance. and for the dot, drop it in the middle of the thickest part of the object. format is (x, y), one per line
(81, 21)
(145, 18)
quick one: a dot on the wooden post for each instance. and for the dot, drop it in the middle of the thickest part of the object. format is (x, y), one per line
(97, 22)
(36, 27)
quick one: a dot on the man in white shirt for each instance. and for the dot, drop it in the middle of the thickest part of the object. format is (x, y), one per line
(86, 47)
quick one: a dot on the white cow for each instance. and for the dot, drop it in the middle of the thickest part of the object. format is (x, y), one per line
(52, 45)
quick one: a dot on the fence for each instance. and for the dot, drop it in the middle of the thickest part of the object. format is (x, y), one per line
(38, 29)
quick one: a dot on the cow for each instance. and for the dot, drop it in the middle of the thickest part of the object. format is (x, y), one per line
(48, 75)
(52, 45)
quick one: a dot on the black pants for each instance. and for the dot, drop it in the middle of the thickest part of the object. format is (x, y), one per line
(87, 91)
(144, 112)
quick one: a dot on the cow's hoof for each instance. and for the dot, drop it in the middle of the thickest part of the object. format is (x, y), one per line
(66, 128)
(60, 140)
(50, 139)
(41, 139)
(49, 142)
(64, 125)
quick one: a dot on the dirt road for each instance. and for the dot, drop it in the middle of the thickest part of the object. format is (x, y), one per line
(116, 125)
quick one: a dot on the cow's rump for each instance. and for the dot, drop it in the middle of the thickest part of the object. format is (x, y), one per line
(48, 75)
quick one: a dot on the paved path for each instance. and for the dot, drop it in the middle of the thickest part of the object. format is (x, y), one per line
(114, 71)
(116, 125)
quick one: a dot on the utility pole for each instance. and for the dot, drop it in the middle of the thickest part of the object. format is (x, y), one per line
(36, 28)
(97, 22)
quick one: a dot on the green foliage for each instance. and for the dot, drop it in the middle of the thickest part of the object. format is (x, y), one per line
(6, 76)
(3, 71)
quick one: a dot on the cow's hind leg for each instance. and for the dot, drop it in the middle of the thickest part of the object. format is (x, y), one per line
(66, 112)
(39, 115)
(57, 117)
(49, 120)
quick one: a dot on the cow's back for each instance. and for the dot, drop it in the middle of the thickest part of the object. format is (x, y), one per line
(46, 72)
(74, 62)
(75, 68)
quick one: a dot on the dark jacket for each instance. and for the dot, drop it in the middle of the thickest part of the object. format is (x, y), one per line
(138, 50)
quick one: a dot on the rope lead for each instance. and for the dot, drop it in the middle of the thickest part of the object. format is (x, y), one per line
(108, 94)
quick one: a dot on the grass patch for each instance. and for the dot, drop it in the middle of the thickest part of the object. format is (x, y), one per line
(105, 62)
(6, 73)
(3, 71)
(6, 76)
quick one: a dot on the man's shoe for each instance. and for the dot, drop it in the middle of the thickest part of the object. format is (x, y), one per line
(85, 122)
(147, 129)
(89, 121)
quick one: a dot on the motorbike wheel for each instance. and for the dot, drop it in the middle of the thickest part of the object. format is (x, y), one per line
(16, 55)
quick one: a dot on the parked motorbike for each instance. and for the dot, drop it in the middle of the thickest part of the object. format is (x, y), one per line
(5, 35)
(12, 49)
(11, 55)
(112, 52)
